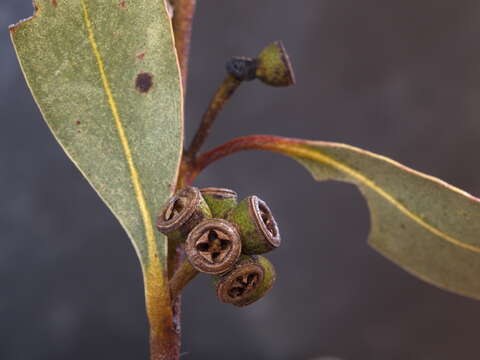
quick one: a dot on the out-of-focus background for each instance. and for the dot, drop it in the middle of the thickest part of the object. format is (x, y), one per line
(399, 78)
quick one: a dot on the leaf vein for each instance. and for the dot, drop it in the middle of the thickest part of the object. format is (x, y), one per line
(145, 213)
(323, 158)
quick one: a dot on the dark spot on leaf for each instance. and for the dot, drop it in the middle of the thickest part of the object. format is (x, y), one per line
(78, 122)
(402, 226)
(123, 4)
(144, 82)
(141, 56)
(54, 3)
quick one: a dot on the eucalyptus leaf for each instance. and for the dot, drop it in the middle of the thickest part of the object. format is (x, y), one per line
(425, 225)
(105, 77)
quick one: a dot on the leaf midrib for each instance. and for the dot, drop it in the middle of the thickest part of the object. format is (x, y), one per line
(316, 155)
(135, 178)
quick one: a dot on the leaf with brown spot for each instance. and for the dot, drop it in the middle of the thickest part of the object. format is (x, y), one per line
(78, 58)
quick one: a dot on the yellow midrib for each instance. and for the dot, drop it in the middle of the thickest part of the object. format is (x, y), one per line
(147, 220)
(303, 152)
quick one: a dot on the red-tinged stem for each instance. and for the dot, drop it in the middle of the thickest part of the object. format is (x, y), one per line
(167, 347)
(184, 11)
(221, 97)
(253, 142)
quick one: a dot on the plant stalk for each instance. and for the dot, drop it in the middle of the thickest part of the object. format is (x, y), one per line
(253, 142)
(222, 95)
(184, 274)
(165, 334)
(183, 13)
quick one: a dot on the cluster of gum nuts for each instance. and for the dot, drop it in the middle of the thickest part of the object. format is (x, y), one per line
(224, 238)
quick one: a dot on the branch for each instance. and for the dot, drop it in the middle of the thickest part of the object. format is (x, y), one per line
(224, 92)
(184, 11)
(184, 274)
(253, 142)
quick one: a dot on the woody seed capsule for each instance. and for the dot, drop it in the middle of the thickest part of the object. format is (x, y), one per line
(250, 279)
(183, 211)
(256, 225)
(219, 200)
(213, 246)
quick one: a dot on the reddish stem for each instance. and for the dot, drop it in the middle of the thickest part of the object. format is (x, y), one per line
(184, 11)
(168, 347)
(223, 94)
(253, 142)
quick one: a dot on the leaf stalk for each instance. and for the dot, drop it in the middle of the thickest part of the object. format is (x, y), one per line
(253, 142)
(184, 274)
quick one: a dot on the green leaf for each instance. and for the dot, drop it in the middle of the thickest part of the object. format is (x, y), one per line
(105, 77)
(428, 227)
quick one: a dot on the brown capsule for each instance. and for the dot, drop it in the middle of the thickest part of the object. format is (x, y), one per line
(183, 211)
(213, 246)
(257, 226)
(219, 200)
(250, 279)
(274, 67)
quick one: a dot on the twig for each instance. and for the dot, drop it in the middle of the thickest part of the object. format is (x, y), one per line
(184, 11)
(253, 142)
(224, 92)
(184, 274)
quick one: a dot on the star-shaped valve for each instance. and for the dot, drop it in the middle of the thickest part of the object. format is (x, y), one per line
(214, 245)
(243, 284)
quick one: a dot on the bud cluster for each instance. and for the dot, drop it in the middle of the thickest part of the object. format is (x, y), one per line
(224, 238)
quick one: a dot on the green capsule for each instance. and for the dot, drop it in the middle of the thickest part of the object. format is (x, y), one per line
(250, 279)
(274, 67)
(256, 225)
(183, 211)
(220, 200)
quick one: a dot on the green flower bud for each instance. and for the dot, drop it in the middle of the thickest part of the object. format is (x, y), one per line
(250, 279)
(213, 246)
(220, 201)
(256, 225)
(274, 67)
(183, 211)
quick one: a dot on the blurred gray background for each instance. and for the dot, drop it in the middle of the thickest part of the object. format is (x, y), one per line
(400, 78)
